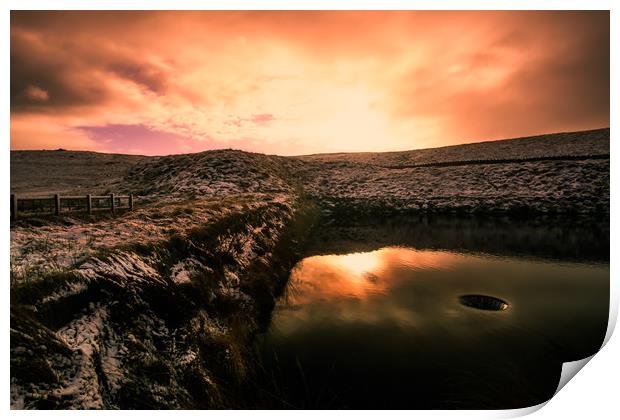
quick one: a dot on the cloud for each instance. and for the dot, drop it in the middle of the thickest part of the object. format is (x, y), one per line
(149, 77)
(138, 139)
(256, 119)
(303, 82)
(262, 119)
(531, 76)
(35, 93)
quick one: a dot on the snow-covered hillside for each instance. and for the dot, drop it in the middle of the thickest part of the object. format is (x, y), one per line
(528, 187)
(580, 143)
(571, 175)
(179, 191)
(215, 173)
(154, 308)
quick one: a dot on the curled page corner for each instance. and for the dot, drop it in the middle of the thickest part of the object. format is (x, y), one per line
(613, 315)
(570, 369)
(521, 412)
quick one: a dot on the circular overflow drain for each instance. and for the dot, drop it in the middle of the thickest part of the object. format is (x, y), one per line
(483, 302)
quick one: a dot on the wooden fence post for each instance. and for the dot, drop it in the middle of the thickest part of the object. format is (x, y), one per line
(89, 203)
(130, 202)
(112, 202)
(56, 204)
(13, 207)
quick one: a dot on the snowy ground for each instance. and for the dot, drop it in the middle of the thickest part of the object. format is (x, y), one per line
(540, 187)
(581, 143)
(214, 173)
(37, 250)
(184, 191)
(149, 308)
(367, 182)
(140, 321)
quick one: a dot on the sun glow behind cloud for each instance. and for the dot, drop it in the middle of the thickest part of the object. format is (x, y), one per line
(302, 82)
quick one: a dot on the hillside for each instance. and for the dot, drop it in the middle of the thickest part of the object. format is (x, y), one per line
(351, 184)
(41, 172)
(580, 143)
(554, 173)
(156, 308)
(214, 173)
(574, 187)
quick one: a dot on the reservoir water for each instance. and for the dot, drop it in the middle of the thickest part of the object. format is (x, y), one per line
(400, 326)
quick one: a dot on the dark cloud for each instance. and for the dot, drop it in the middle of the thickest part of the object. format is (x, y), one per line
(36, 61)
(151, 77)
(64, 54)
(561, 80)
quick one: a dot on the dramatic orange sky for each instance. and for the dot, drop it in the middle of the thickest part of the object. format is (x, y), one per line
(302, 82)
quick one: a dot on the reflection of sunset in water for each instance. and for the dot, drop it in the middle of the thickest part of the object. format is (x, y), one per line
(360, 275)
(420, 289)
(356, 264)
(362, 325)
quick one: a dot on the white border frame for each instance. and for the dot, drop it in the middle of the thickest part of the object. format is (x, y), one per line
(593, 393)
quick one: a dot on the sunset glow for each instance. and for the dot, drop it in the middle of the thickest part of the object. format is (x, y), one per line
(302, 82)
(361, 275)
(357, 264)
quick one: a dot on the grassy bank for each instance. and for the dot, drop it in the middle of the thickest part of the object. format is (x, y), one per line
(162, 324)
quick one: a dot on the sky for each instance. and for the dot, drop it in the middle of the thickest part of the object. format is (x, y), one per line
(300, 82)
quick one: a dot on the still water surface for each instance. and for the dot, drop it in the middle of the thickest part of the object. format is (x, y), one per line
(388, 329)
